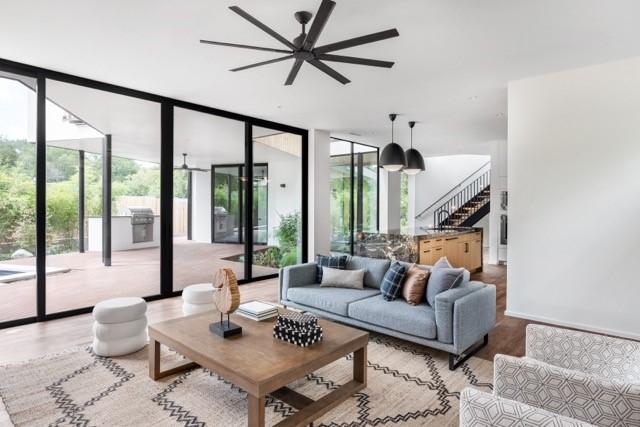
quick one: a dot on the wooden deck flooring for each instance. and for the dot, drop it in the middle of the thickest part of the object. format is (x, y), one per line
(133, 273)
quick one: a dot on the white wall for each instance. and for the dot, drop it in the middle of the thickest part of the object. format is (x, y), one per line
(441, 175)
(284, 170)
(499, 183)
(574, 187)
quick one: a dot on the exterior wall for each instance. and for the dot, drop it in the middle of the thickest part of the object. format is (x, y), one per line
(574, 187)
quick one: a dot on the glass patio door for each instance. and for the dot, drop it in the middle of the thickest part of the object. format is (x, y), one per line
(227, 204)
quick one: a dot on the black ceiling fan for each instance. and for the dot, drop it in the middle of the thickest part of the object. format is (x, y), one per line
(184, 167)
(302, 48)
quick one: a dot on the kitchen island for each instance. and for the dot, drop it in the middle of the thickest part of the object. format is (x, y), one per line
(461, 245)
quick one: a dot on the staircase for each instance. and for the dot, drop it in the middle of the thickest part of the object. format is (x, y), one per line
(466, 207)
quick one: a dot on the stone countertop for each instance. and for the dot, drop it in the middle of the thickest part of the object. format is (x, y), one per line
(421, 232)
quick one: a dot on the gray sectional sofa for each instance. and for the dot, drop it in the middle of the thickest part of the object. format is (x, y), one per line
(458, 324)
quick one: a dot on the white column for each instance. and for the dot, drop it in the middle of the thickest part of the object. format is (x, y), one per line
(389, 201)
(319, 219)
(201, 216)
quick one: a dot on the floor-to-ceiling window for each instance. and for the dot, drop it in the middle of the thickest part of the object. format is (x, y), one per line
(17, 197)
(354, 192)
(103, 196)
(107, 191)
(200, 141)
(276, 203)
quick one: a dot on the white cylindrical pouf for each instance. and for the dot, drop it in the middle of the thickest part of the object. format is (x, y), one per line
(118, 310)
(120, 326)
(197, 298)
(120, 347)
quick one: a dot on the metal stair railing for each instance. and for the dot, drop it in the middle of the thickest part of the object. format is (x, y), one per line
(463, 200)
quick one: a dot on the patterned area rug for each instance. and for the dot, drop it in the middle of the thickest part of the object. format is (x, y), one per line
(408, 385)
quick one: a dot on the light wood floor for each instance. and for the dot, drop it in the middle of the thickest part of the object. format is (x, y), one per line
(132, 273)
(29, 341)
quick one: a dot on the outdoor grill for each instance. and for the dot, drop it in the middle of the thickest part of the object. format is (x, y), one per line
(141, 224)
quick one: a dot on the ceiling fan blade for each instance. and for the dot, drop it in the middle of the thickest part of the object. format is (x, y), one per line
(262, 26)
(328, 70)
(357, 41)
(324, 11)
(244, 46)
(257, 64)
(198, 170)
(354, 60)
(294, 72)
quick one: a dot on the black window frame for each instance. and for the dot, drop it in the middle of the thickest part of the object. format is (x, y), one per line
(240, 168)
(352, 177)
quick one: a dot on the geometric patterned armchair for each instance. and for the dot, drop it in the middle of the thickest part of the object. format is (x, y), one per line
(566, 377)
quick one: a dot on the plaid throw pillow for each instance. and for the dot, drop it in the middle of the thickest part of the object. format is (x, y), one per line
(339, 262)
(392, 281)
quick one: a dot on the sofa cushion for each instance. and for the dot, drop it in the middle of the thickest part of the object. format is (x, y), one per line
(333, 300)
(392, 281)
(417, 320)
(332, 277)
(339, 262)
(415, 285)
(375, 268)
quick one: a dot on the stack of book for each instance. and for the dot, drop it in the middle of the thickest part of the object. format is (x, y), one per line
(257, 310)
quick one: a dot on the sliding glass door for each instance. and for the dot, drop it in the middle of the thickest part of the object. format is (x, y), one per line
(102, 196)
(276, 203)
(17, 197)
(211, 207)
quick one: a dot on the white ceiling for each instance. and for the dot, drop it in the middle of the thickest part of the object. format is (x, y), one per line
(453, 57)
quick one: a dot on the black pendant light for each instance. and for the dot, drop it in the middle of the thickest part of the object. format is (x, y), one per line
(415, 161)
(392, 158)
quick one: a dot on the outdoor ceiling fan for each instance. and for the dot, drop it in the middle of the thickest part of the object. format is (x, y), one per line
(185, 167)
(302, 48)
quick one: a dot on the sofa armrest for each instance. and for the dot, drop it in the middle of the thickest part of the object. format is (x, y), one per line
(295, 275)
(566, 392)
(444, 305)
(474, 316)
(480, 409)
(592, 354)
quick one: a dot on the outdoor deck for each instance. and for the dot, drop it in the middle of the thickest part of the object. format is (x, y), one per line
(133, 273)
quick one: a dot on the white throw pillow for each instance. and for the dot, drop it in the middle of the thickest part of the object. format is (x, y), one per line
(333, 277)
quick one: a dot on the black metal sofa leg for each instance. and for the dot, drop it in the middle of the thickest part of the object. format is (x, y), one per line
(457, 360)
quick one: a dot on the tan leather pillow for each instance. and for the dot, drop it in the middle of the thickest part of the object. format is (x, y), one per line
(415, 285)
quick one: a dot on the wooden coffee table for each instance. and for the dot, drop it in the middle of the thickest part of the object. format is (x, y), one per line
(260, 364)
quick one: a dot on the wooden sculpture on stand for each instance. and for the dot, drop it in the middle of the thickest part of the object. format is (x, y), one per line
(227, 299)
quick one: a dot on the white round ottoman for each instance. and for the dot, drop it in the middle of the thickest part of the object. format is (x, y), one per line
(120, 326)
(197, 298)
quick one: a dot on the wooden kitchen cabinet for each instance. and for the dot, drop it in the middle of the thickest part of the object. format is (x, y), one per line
(463, 250)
